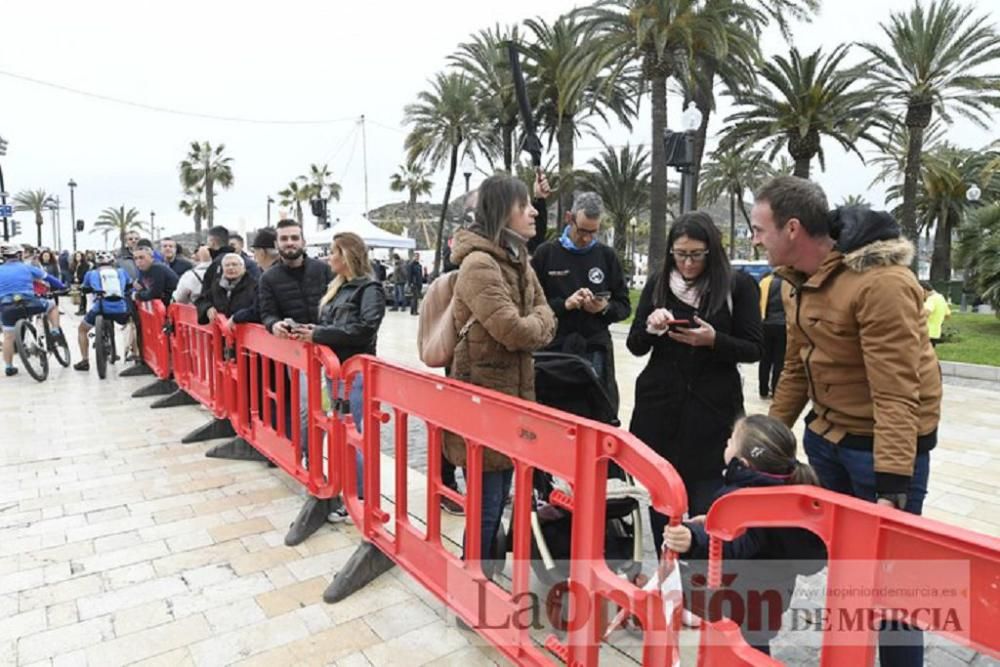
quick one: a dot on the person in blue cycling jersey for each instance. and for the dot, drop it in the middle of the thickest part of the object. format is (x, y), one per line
(112, 284)
(17, 298)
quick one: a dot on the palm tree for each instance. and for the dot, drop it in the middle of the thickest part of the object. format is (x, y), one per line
(293, 196)
(660, 35)
(571, 82)
(318, 178)
(206, 167)
(36, 202)
(621, 178)
(810, 97)
(446, 122)
(979, 253)
(412, 179)
(935, 64)
(484, 59)
(193, 205)
(732, 172)
(891, 160)
(855, 200)
(118, 220)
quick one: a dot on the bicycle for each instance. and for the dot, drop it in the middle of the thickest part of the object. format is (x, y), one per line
(30, 345)
(105, 348)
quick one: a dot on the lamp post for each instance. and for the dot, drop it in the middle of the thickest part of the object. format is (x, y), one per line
(152, 226)
(468, 165)
(633, 223)
(3, 191)
(973, 193)
(269, 202)
(691, 120)
(72, 209)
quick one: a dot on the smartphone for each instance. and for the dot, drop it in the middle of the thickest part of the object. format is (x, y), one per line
(602, 295)
(290, 323)
(679, 324)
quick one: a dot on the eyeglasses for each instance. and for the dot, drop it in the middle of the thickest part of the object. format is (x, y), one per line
(695, 256)
(585, 232)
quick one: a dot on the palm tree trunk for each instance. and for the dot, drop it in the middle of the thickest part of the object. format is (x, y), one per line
(209, 202)
(702, 100)
(565, 138)
(911, 178)
(38, 225)
(658, 177)
(621, 238)
(746, 216)
(453, 166)
(941, 259)
(732, 225)
(802, 167)
(197, 224)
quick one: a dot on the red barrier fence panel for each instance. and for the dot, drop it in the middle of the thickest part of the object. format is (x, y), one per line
(271, 375)
(199, 362)
(155, 342)
(534, 438)
(940, 578)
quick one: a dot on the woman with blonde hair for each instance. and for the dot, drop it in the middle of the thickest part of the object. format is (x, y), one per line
(350, 314)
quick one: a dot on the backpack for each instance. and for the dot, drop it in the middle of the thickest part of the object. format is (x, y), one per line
(436, 334)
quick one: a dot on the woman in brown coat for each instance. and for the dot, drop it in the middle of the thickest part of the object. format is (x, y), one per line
(500, 307)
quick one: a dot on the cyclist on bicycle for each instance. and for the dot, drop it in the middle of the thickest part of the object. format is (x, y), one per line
(112, 284)
(17, 299)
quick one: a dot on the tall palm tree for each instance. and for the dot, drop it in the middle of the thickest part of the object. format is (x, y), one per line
(416, 182)
(318, 178)
(118, 220)
(446, 122)
(206, 167)
(36, 202)
(621, 178)
(979, 253)
(484, 59)
(809, 97)
(293, 196)
(659, 35)
(732, 172)
(572, 81)
(855, 200)
(938, 62)
(193, 205)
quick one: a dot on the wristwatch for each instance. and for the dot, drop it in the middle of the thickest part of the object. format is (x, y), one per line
(898, 500)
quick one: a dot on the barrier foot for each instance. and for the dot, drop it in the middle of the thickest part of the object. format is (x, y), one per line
(365, 565)
(140, 368)
(312, 515)
(178, 398)
(158, 388)
(237, 449)
(217, 428)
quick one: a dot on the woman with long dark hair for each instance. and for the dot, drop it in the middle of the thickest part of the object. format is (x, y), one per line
(700, 319)
(78, 268)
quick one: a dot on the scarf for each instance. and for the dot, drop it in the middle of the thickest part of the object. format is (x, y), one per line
(228, 285)
(567, 243)
(687, 292)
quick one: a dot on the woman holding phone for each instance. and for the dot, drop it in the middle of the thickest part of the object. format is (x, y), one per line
(700, 319)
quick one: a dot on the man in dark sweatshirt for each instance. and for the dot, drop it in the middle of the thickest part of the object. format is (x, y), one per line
(585, 286)
(156, 280)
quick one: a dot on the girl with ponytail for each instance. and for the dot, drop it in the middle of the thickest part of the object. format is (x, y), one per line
(762, 564)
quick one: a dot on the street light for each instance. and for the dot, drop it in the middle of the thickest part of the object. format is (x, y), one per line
(3, 191)
(72, 209)
(973, 193)
(633, 223)
(691, 121)
(269, 202)
(468, 165)
(152, 226)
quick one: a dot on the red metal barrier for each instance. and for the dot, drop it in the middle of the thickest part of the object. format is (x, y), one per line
(534, 437)
(200, 367)
(875, 552)
(155, 343)
(267, 399)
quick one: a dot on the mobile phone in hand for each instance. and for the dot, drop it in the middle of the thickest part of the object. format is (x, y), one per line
(679, 324)
(602, 295)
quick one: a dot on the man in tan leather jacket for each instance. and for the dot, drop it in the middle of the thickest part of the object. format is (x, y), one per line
(857, 348)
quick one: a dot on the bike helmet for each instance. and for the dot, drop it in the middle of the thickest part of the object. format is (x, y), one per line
(104, 257)
(10, 251)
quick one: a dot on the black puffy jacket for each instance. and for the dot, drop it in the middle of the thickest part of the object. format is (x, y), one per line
(282, 295)
(349, 323)
(226, 302)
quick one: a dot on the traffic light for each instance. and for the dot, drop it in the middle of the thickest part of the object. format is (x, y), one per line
(79, 225)
(15, 227)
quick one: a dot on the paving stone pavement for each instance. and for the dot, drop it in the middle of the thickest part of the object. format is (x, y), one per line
(119, 545)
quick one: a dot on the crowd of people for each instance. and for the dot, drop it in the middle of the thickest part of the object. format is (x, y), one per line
(841, 327)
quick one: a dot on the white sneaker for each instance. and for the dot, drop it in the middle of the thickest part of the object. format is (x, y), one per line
(339, 515)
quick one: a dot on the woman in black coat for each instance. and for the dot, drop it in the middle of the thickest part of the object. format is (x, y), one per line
(700, 319)
(79, 267)
(232, 291)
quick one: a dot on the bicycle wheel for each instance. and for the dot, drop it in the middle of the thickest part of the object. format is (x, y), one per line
(31, 350)
(101, 345)
(59, 349)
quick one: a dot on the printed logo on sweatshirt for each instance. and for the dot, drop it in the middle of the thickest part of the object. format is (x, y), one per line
(596, 275)
(559, 273)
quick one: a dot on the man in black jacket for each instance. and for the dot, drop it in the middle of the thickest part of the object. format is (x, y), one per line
(585, 286)
(218, 247)
(156, 280)
(772, 312)
(292, 289)
(177, 263)
(415, 271)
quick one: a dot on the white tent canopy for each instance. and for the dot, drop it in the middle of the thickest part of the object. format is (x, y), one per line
(375, 237)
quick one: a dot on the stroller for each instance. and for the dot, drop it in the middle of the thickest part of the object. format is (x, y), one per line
(569, 382)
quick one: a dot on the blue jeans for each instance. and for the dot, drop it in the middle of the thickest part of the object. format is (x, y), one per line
(356, 406)
(399, 295)
(852, 472)
(496, 488)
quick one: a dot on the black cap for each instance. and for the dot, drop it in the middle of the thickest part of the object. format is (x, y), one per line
(265, 238)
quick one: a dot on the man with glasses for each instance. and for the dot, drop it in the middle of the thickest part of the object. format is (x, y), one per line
(585, 286)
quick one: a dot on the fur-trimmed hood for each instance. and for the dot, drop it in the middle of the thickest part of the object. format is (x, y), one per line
(868, 238)
(893, 252)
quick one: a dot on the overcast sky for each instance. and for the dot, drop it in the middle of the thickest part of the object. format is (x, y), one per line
(291, 61)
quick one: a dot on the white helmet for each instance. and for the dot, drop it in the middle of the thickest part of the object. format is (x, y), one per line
(104, 257)
(8, 250)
